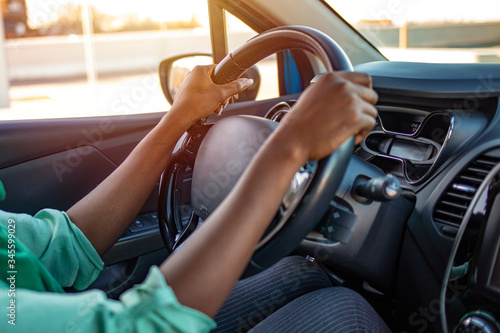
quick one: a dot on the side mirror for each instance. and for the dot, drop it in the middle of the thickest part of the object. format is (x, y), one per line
(174, 70)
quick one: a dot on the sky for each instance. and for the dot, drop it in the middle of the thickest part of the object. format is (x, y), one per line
(398, 11)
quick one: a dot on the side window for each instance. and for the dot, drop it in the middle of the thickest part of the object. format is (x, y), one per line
(69, 58)
(237, 33)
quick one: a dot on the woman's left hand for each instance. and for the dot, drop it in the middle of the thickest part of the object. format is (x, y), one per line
(199, 96)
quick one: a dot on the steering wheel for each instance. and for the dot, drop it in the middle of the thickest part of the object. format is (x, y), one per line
(218, 153)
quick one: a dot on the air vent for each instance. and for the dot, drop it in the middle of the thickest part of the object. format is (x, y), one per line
(454, 202)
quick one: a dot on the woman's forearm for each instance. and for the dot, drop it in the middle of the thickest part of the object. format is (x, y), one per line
(106, 212)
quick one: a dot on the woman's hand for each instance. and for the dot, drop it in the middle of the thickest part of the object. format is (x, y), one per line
(199, 96)
(338, 106)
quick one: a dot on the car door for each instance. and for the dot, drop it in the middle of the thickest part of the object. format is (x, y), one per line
(54, 162)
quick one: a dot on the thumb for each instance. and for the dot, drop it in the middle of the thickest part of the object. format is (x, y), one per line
(236, 86)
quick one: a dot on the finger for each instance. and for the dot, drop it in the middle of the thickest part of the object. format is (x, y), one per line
(367, 94)
(201, 73)
(236, 87)
(369, 110)
(359, 138)
(366, 125)
(364, 133)
(359, 78)
(209, 69)
(359, 83)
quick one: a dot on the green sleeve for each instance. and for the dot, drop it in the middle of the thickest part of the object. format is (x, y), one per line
(148, 307)
(59, 245)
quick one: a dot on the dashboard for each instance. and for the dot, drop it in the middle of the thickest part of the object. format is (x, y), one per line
(438, 132)
(443, 123)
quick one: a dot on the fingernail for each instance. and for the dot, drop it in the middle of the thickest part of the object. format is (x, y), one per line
(245, 83)
(222, 107)
(220, 110)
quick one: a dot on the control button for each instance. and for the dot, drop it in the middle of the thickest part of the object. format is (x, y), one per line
(136, 226)
(192, 142)
(340, 225)
(144, 222)
(190, 145)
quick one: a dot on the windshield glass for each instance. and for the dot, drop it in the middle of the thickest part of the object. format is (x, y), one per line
(458, 31)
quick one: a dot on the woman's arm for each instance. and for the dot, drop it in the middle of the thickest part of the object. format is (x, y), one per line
(205, 269)
(203, 272)
(106, 212)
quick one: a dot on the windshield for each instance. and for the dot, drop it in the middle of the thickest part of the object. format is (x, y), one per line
(457, 31)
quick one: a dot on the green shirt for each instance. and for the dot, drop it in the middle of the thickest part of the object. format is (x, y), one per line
(50, 252)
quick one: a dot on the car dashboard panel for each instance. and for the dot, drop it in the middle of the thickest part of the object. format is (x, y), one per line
(438, 131)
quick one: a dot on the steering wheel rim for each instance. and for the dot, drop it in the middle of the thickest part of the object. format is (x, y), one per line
(280, 39)
(328, 175)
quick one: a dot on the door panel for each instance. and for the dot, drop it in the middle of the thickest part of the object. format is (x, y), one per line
(54, 163)
(115, 136)
(55, 181)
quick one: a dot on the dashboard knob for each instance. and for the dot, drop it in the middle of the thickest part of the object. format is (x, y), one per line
(477, 322)
(383, 188)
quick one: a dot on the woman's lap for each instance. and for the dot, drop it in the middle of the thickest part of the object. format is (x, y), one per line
(334, 309)
(255, 298)
(295, 295)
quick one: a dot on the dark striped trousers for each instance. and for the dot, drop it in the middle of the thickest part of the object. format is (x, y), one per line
(295, 295)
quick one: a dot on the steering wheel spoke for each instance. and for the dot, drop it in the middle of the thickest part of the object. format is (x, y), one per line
(187, 231)
(298, 187)
(171, 207)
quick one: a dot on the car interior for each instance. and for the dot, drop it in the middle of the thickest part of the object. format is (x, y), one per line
(408, 218)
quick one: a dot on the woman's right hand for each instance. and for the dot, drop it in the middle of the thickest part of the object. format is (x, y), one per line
(336, 107)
